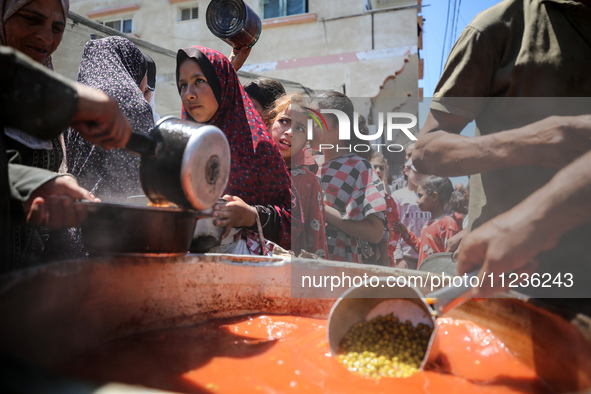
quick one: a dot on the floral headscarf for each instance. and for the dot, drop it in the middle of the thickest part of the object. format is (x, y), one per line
(9, 7)
(258, 173)
(115, 66)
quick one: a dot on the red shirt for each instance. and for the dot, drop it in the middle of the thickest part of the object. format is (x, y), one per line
(434, 236)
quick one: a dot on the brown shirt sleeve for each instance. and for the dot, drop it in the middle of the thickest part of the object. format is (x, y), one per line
(468, 73)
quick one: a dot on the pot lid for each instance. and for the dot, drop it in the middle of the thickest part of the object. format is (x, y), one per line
(205, 167)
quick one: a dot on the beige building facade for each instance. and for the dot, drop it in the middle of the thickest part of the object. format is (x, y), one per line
(365, 48)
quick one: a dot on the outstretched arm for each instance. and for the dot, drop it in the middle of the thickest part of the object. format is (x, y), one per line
(511, 241)
(239, 56)
(552, 142)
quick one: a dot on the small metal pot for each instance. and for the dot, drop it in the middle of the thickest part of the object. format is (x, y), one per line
(183, 162)
(234, 22)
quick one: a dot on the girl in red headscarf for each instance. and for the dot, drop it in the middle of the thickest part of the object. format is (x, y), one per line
(259, 182)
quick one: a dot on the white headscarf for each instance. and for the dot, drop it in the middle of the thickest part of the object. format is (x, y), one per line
(10, 7)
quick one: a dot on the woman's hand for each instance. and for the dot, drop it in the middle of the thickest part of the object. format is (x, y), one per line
(239, 56)
(236, 213)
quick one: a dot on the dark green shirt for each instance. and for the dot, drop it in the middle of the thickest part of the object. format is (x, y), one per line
(41, 103)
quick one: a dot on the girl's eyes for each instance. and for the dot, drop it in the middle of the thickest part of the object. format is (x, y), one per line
(284, 121)
(198, 81)
(300, 129)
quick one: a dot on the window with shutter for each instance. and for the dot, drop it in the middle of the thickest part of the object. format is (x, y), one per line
(189, 13)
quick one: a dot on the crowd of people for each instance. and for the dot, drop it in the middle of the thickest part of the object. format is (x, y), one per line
(342, 207)
(339, 210)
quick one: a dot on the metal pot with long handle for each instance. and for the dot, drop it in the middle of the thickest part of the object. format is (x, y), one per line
(183, 162)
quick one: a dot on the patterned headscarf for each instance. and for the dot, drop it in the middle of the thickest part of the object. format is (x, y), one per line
(258, 174)
(115, 66)
(9, 7)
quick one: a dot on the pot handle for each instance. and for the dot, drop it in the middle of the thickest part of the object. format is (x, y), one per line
(142, 145)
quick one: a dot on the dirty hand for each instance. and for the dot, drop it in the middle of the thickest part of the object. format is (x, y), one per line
(239, 56)
(99, 119)
(236, 213)
(502, 245)
(53, 204)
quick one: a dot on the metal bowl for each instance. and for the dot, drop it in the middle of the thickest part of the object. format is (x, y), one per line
(439, 263)
(123, 229)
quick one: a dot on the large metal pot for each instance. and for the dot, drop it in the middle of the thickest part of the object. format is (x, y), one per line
(183, 162)
(54, 312)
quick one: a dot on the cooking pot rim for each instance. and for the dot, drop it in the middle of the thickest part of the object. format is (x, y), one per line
(94, 205)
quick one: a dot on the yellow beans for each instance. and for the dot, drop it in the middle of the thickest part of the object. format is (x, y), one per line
(384, 346)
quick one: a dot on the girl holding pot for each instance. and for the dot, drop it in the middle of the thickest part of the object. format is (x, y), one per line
(259, 185)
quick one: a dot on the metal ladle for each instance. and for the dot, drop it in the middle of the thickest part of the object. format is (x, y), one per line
(407, 303)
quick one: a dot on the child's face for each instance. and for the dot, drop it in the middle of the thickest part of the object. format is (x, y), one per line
(196, 94)
(380, 167)
(426, 202)
(289, 132)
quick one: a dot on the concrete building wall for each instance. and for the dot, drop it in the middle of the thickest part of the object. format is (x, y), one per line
(333, 27)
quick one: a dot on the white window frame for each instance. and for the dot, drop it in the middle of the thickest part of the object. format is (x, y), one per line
(122, 21)
(191, 9)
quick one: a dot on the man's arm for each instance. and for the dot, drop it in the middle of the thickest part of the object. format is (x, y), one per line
(552, 142)
(510, 241)
(58, 102)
